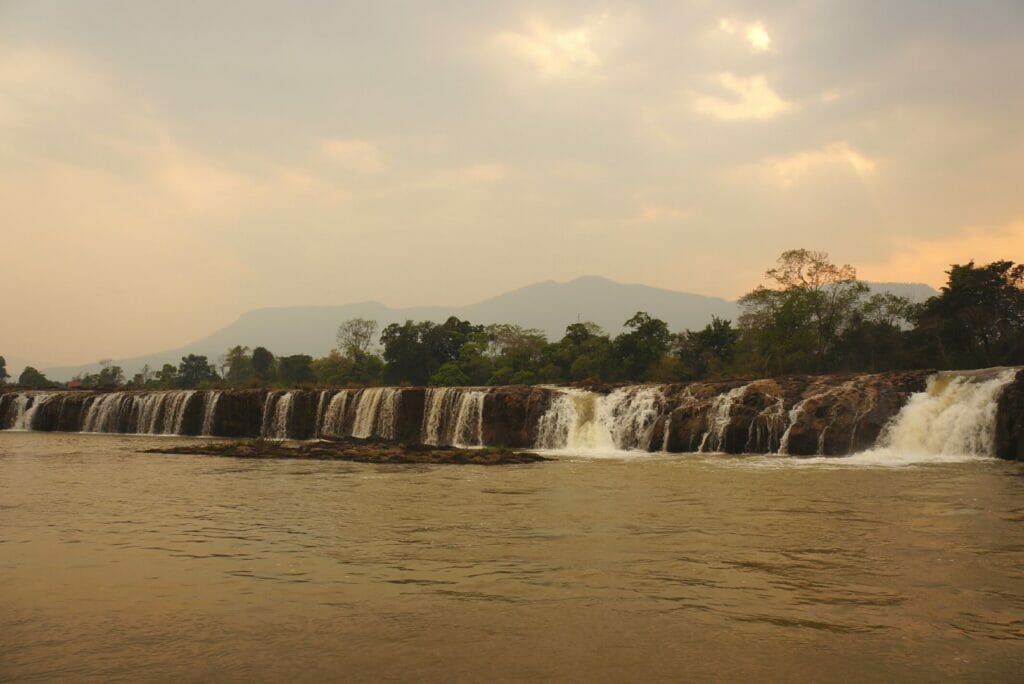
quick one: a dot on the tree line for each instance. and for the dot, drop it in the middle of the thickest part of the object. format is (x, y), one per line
(811, 316)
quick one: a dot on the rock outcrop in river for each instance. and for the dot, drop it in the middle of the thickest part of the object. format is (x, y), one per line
(797, 415)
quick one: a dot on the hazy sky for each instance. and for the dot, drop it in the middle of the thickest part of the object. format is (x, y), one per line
(165, 166)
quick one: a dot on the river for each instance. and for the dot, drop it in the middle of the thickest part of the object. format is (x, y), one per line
(122, 566)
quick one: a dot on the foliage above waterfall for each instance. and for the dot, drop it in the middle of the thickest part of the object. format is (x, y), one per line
(812, 316)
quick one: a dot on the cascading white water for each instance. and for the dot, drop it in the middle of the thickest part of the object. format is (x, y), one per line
(376, 412)
(367, 405)
(794, 416)
(573, 422)
(768, 426)
(332, 421)
(387, 412)
(174, 414)
(26, 407)
(277, 412)
(954, 416)
(621, 420)
(469, 421)
(104, 412)
(209, 413)
(453, 416)
(718, 419)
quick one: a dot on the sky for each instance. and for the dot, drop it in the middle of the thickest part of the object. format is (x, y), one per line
(165, 166)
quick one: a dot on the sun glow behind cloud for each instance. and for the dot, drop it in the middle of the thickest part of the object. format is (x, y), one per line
(557, 53)
(789, 170)
(754, 33)
(749, 98)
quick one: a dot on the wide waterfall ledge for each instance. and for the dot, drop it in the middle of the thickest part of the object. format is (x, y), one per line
(898, 415)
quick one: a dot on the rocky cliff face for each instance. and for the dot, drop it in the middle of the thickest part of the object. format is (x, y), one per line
(1010, 421)
(800, 415)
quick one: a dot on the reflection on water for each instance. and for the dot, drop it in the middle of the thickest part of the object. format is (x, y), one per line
(122, 566)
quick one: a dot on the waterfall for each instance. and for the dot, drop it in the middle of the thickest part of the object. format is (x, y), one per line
(719, 416)
(579, 419)
(104, 412)
(767, 428)
(469, 421)
(332, 422)
(26, 406)
(388, 408)
(277, 412)
(174, 413)
(367, 403)
(210, 413)
(453, 416)
(376, 411)
(954, 416)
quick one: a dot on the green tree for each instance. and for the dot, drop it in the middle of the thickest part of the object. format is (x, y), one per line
(707, 351)
(339, 370)
(195, 370)
(978, 318)
(237, 366)
(514, 352)
(167, 376)
(4, 375)
(639, 350)
(796, 325)
(30, 377)
(449, 375)
(295, 370)
(413, 352)
(263, 364)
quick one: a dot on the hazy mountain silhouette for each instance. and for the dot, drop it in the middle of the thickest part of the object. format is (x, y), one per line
(548, 306)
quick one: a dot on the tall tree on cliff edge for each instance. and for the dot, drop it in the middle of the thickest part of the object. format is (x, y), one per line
(195, 370)
(263, 364)
(237, 366)
(3, 371)
(30, 377)
(978, 319)
(795, 325)
(637, 351)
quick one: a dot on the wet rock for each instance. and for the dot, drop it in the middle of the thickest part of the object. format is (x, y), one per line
(361, 451)
(511, 415)
(1010, 420)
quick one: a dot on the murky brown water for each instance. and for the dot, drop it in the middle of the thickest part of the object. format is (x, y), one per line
(118, 566)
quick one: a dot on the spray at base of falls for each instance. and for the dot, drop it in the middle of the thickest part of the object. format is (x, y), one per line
(954, 416)
(582, 420)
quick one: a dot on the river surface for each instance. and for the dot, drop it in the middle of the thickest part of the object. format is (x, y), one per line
(121, 566)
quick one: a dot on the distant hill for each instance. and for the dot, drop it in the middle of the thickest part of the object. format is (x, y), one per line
(548, 306)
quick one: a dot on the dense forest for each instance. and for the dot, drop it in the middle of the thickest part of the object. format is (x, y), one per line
(813, 316)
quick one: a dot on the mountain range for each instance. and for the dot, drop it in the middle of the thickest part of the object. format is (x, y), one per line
(548, 306)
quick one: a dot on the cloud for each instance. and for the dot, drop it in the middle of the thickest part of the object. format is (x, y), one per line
(754, 33)
(752, 98)
(789, 170)
(358, 156)
(926, 260)
(557, 53)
